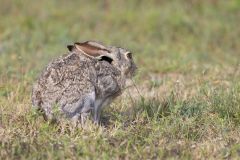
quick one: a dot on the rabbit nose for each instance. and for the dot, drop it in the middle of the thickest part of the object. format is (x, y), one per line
(135, 68)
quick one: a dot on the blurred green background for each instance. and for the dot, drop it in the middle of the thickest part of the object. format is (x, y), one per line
(165, 36)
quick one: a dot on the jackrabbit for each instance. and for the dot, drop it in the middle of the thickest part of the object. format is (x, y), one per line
(81, 82)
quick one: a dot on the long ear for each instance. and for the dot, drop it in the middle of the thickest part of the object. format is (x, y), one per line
(92, 49)
(105, 58)
(71, 48)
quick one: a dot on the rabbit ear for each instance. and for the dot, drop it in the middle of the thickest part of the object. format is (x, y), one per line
(105, 58)
(71, 48)
(92, 49)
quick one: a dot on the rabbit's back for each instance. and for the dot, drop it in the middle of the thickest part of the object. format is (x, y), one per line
(64, 82)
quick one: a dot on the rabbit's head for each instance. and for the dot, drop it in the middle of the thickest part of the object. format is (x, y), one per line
(118, 57)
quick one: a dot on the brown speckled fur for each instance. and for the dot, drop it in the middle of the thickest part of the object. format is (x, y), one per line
(78, 85)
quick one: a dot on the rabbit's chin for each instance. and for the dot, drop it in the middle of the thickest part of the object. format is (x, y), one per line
(129, 83)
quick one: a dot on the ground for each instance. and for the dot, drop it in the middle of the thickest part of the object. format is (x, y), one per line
(186, 100)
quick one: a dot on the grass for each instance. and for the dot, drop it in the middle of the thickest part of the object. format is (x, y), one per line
(188, 56)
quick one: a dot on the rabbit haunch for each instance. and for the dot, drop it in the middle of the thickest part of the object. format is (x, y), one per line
(83, 81)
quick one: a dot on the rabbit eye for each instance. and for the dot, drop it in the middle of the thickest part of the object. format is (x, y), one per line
(129, 55)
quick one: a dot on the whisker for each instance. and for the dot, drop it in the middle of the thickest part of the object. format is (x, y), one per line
(134, 84)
